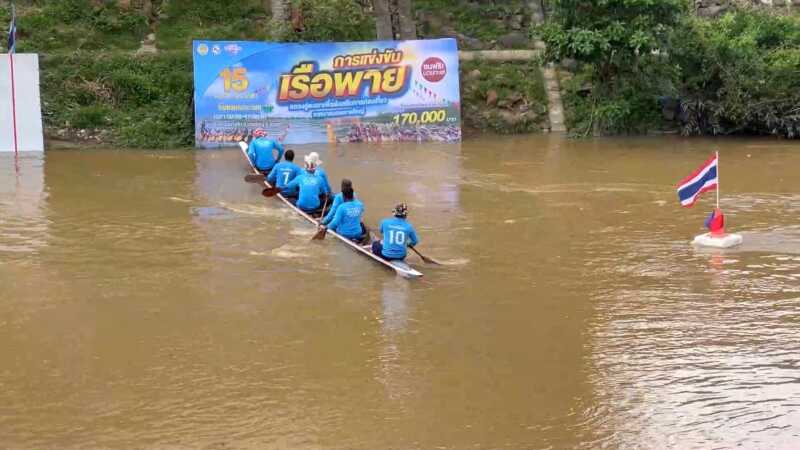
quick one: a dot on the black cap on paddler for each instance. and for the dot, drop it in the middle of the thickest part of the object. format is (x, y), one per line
(401, 210)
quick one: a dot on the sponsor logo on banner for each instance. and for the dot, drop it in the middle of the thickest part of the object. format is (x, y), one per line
(433, 69)
(202, 49)
(216, 50)
(233, 49)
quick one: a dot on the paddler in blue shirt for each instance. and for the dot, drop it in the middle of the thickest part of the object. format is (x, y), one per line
(262, 151)
(309, 186)
(283, 173)
(397, 235)
(338, 199)
(313, 157)
(347, 219)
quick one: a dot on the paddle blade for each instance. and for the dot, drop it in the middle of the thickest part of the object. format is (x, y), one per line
(430, 261)
(253, 178)
(243, 145)
(270, 192)
(425, 258)
(320, 235)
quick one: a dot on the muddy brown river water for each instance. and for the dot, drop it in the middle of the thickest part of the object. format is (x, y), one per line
(153, 300)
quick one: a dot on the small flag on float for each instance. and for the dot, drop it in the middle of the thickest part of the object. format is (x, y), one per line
(704, 179)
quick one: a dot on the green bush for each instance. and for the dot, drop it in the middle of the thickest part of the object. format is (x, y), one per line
(739, 74)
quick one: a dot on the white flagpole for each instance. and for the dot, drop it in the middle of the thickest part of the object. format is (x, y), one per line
(717, 152)
(11, 51)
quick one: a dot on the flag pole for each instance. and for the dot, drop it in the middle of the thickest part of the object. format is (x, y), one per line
(717, 152)
(13, 103)
(13, 41)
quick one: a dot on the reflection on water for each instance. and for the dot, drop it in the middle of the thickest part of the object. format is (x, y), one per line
(156, 300)
(22, 199)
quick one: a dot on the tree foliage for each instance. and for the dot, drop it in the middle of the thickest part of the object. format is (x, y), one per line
(610, 34)
(740, 74)
(620, 44)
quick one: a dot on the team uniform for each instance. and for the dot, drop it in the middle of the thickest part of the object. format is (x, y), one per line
(261, 152)
(347, 220)
(310, 189)
(397, 235)
(338, 199)
(325, 185)
(282, 174)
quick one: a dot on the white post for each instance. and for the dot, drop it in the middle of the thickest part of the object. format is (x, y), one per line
(717, 179)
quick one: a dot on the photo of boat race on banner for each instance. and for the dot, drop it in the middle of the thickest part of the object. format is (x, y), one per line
(327, 92)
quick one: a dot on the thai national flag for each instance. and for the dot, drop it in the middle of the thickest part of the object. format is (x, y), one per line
(12, 33)
(703, 179)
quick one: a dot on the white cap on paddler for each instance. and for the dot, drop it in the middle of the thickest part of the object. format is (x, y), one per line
(312, 160)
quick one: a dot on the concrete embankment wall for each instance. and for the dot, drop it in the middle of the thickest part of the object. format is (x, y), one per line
(28, 107)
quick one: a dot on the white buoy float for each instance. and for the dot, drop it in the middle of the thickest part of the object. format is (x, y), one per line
(721, 241)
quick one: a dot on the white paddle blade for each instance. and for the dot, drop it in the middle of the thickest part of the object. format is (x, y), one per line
(243, 145)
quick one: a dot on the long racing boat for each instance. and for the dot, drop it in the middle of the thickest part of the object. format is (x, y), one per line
(400, 267)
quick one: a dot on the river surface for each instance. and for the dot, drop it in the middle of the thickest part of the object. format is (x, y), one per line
(153, 300)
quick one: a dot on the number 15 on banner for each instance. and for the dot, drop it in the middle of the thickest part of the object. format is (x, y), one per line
(235, 79)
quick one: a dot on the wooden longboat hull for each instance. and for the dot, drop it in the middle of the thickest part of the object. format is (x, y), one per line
(400, 267)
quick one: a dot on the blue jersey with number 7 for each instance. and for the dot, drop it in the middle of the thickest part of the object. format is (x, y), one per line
(282, 174)
(397, 234)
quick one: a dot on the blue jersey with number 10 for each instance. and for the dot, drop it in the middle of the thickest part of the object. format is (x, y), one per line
(397, 234)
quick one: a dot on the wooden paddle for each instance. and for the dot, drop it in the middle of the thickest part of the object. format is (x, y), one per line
(254, 178)
(270, 191)
(425, 258)
(320, 235)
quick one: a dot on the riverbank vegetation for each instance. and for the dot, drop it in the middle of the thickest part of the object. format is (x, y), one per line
(643, 65)
(119, 72)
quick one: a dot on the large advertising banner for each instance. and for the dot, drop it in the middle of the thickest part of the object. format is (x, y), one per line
(327, 92)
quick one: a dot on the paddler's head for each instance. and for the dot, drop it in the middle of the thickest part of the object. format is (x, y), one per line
(312, 161)
(289, 155)
(348, 193)
(259, 132)
(400, 211)
(347, 190)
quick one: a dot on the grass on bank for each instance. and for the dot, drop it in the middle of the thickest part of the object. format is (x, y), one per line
(483, 20)
(67, 25)
(183, 21)
(142, 101)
